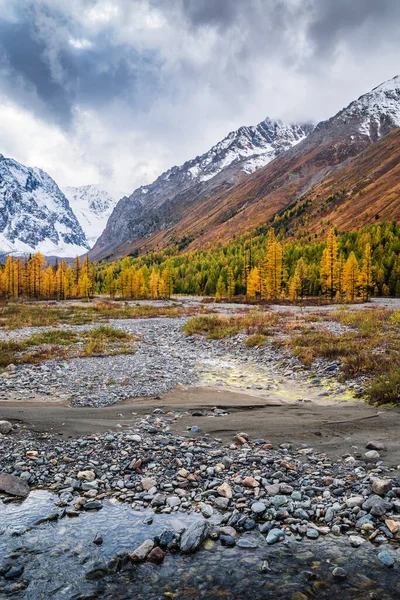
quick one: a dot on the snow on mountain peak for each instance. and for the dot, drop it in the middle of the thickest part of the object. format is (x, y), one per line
(92, 206)
(35, 215)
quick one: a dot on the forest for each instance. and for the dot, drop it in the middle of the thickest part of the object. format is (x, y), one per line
(344, 266)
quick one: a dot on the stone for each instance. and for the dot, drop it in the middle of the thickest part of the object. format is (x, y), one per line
(206, 509)
(98, 539)
(250, 482)
(393, 526)
(372, 455)
(225, 490)
(376, 505)
(356, 541)
(279, 500)
(14, 572)
(339, 573)
(5, 427)
(227, 540)
(373, 445)
(156, 556)
(354, 501)
(159, 500)
(172, 501)
(148, 483)
(272, 490)
(193, 536)
(381, 486)
(275, 535)
(312, 533)
(222, 503)
(258, 507)
(246, 542)
(142, 551)
(93, 505)
(86, 475)
(386, 558)
(136, 438)
(12, 485)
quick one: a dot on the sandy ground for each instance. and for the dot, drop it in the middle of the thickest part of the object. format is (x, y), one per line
(334, 428)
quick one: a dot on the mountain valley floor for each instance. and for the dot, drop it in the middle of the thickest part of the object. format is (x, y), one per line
(218, 418)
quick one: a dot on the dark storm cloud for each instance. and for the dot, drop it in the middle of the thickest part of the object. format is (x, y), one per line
(138, 85)
(41, 58)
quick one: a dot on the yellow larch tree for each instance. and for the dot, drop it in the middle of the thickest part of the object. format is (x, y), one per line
(350, 277)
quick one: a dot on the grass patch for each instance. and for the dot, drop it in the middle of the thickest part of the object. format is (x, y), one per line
(61, 344)
(370, 348)
(256, 340)
(385, 389)
(44, 314)
(217, 326)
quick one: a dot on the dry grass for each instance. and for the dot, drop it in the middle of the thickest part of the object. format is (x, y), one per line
(217, 326)
(60, 344)
(44, 314)
(370, 348)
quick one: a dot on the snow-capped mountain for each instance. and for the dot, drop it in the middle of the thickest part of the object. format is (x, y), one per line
(373, 114)
(241, 152)
(92, 206)
(208, 194)
(35, 215)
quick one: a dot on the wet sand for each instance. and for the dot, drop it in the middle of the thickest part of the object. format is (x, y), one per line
(334, 428)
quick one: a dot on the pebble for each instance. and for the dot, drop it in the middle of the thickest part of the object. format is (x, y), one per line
(5, 427)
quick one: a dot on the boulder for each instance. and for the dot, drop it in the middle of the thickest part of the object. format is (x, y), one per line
(13, 485)
(5, 427)
(142, 551)
(193, 536)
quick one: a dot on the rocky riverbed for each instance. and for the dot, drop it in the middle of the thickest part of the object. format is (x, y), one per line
(125, 509)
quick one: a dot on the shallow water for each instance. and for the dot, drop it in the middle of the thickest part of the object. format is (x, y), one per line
(57, 556)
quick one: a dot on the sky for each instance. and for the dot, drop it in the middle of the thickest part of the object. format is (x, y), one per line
(115, 92)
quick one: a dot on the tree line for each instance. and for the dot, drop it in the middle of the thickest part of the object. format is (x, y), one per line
(343, 266)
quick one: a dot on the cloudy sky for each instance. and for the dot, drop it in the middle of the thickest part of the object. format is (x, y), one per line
(116, 91)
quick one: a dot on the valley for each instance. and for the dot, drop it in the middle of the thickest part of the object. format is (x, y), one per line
(203, 441)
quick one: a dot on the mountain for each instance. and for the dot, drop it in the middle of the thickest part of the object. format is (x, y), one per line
(92, 207)
(198, 218)
(152, 208)
(35, 215)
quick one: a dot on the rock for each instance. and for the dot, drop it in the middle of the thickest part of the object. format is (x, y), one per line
(339, 573)
(372, 455)
(86, 475)
(225, 491)
(221, 503)
(141, 552)
(275, 535)
(312, 533)
(227, 540)
(376, 505)
(355, 501)
(195, 429)
(393, 526)
(159, 500)
(12, 485)
(136, 438)
(206, 509)
(5, 427)
(250, 482)
(93, 505)
(156, 556)
(356, 541)
(272, 490)
(258, 507)
(14, 572)
(386, 558)
(148, 483)
(279, 500)
(381, 486)
(247, 542)
(375, 446)
(193, 536)
(98, 539)
(172, 501)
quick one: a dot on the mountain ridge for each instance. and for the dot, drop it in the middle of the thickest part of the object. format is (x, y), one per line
(226, 211)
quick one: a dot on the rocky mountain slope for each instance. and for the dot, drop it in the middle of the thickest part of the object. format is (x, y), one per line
(92, 207)
(35, 215)
(234, 205)
(153, 208)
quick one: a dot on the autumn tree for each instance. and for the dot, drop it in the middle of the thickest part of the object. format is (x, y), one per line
(329, 266)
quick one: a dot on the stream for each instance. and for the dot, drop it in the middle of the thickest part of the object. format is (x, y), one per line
(60, 560)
